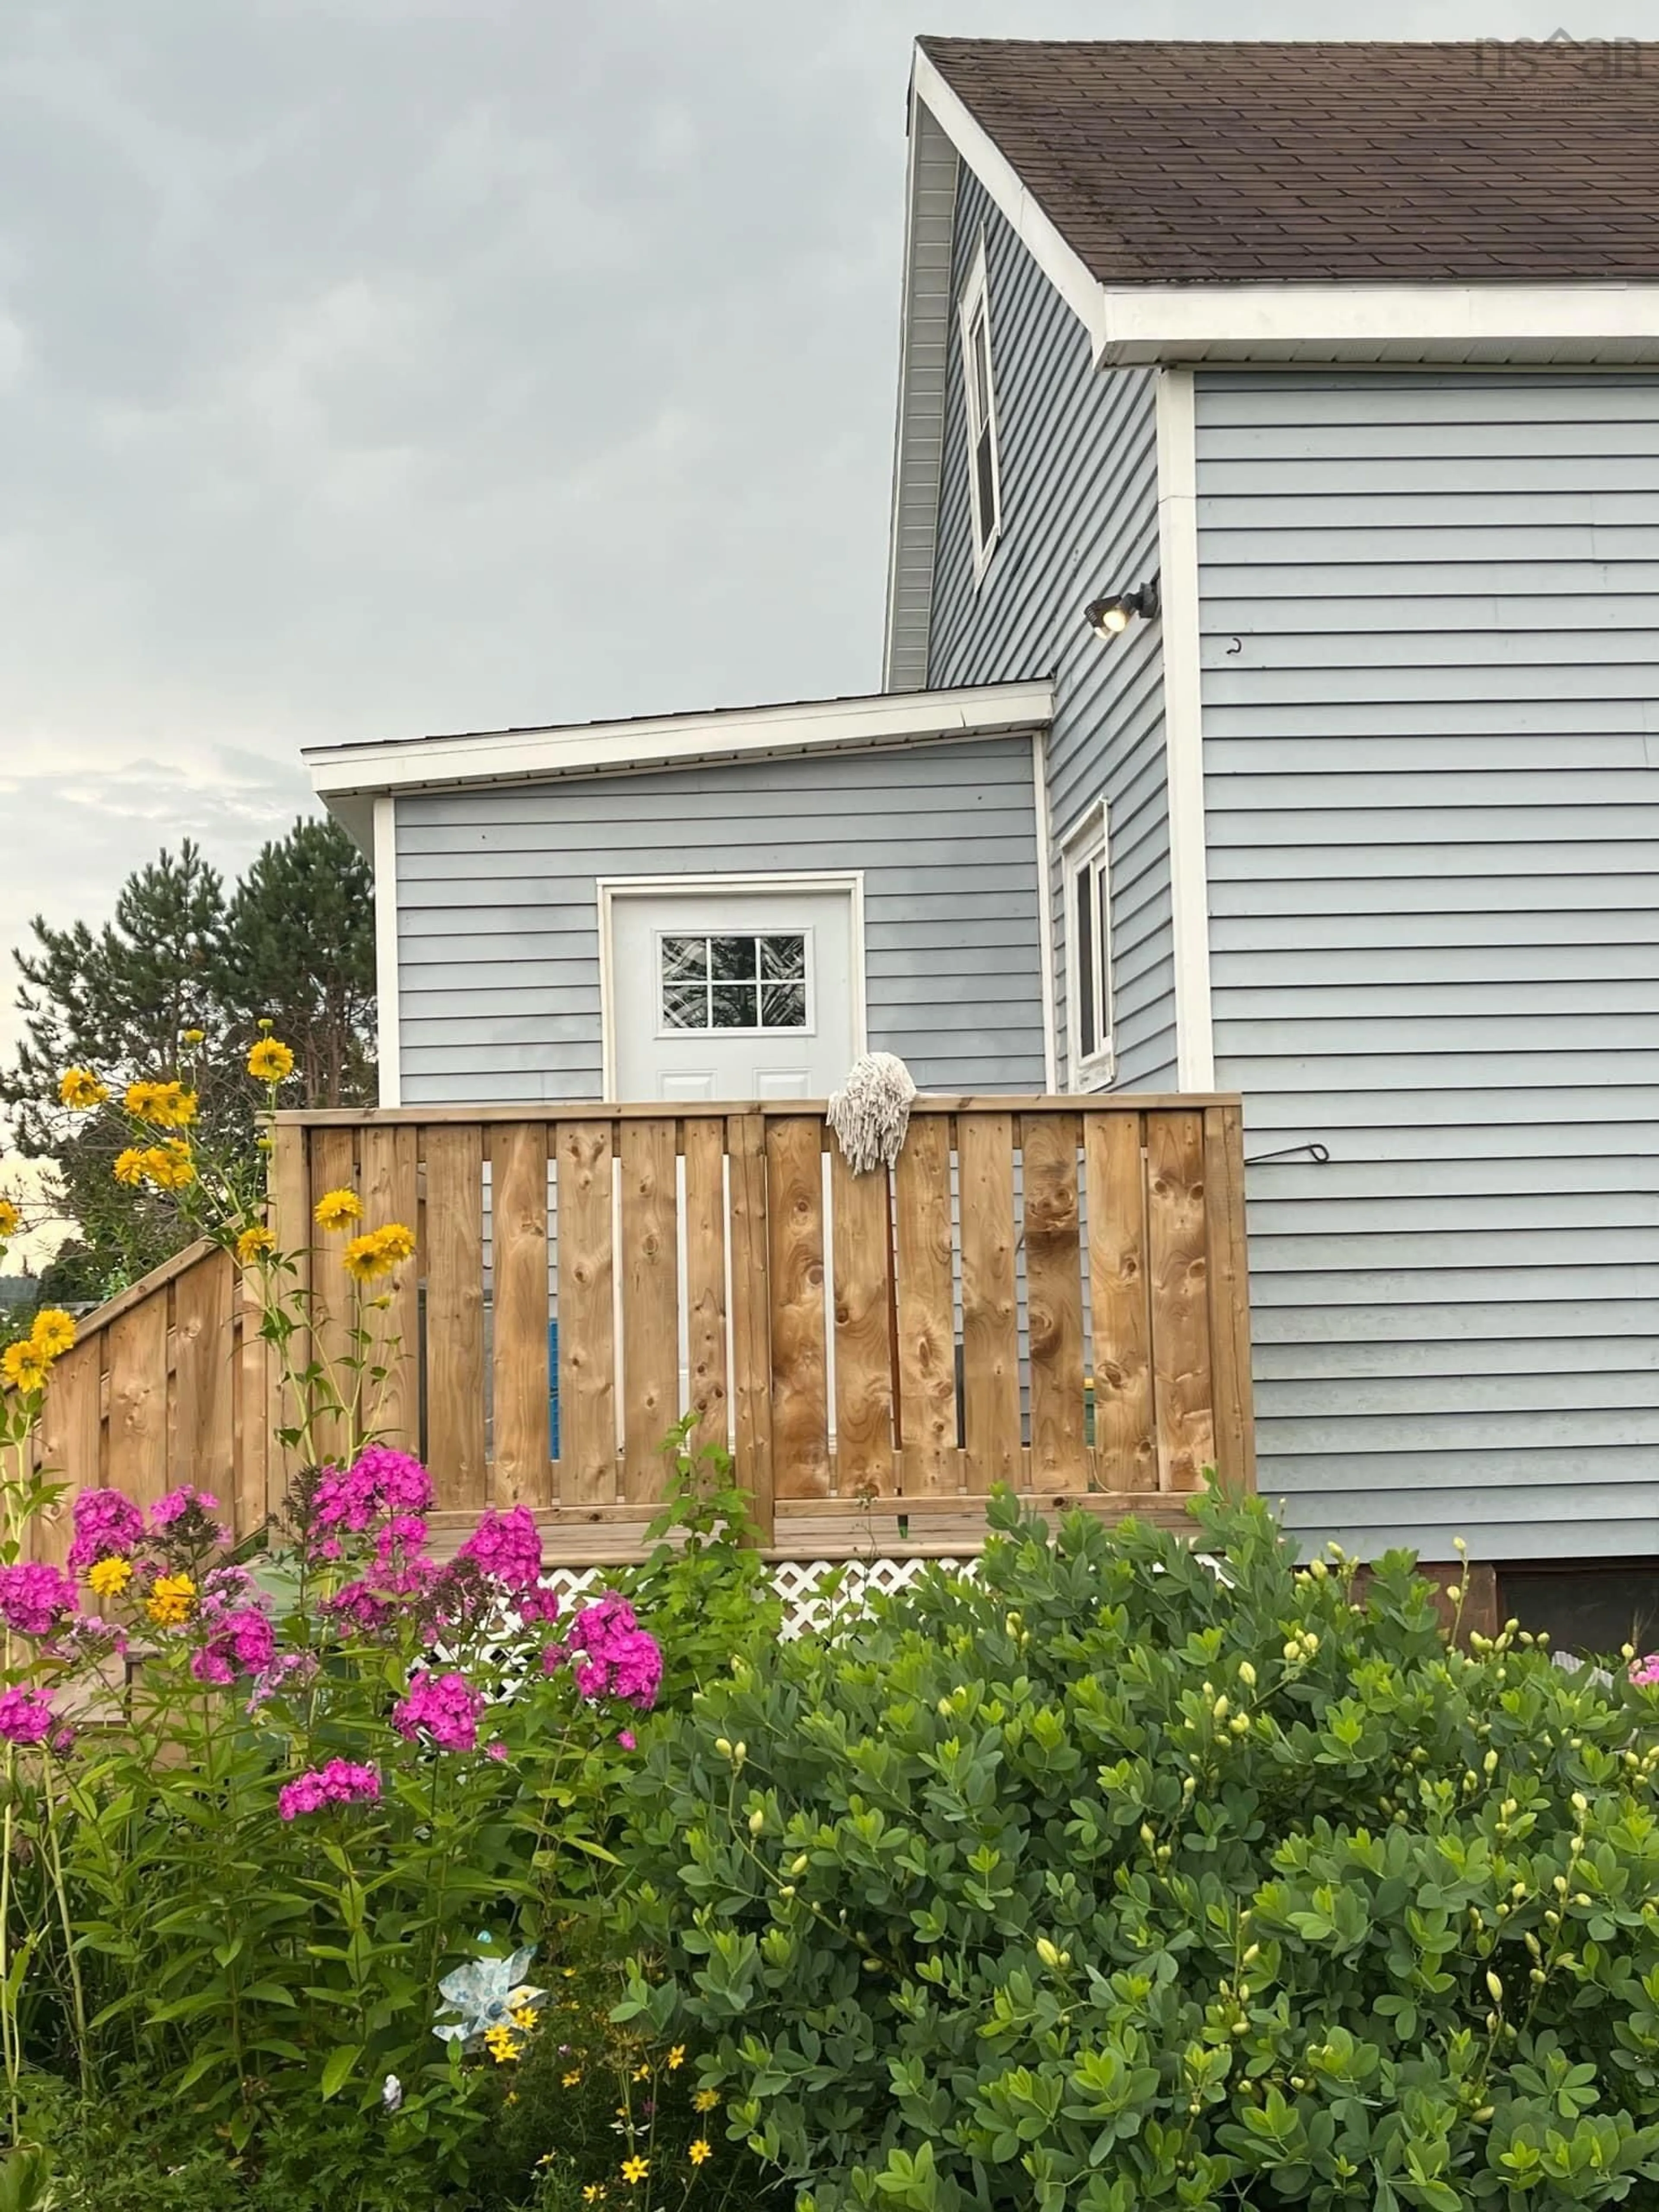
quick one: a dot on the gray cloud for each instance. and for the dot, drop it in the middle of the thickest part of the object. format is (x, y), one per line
(376, 366)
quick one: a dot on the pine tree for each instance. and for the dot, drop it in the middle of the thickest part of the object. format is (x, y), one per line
(294, 943)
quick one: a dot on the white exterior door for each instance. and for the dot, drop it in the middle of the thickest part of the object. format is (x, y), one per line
(732, 994)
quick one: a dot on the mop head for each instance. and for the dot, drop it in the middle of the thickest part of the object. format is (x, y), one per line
(871, 1112)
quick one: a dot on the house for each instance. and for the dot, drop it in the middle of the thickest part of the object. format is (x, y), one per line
(1267, 706)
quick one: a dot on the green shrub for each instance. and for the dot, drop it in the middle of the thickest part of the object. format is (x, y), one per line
(1110, 1878)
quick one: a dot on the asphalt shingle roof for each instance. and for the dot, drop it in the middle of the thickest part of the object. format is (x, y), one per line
(1177, 161)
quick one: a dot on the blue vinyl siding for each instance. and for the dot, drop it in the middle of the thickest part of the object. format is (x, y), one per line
(1078, 449)
(498, 920)
(1431, 615)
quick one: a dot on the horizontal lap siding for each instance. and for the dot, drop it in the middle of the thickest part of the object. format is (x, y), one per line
(498, 920)
(1078, 449)
(1430, 606)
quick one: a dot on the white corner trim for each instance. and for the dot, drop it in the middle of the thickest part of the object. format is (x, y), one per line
(386, 949)
(608, 888)
(1045, 866)
(665, 740)
(1183, 728)
(1057, 262)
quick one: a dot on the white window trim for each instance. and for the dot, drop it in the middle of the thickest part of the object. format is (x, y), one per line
(608, 889)
(1090, 841)
(974, 305)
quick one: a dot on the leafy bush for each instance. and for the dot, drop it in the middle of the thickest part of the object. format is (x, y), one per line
(1111, 1878)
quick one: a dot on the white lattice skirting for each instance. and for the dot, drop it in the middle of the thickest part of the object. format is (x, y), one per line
(815, 1592)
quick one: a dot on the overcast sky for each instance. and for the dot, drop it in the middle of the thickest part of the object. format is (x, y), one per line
(373, 367)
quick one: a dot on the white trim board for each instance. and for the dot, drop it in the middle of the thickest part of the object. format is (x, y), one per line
(388, 1049)
(1183, 727)
(1045, 869)
(670, 740)
(608, 889)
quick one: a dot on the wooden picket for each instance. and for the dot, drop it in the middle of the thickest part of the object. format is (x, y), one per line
(1044, 1293)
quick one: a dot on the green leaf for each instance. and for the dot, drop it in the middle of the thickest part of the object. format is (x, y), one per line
(337, 2068)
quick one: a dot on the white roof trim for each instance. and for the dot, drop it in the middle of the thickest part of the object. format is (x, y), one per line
(719, 734)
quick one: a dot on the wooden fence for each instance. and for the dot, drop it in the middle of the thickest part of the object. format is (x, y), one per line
(1045, 1293)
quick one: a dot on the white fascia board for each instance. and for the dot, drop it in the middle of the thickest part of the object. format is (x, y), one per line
(1147, 322)
(721, 734)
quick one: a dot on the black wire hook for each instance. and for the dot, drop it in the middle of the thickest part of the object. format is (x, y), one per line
(1317, 1153)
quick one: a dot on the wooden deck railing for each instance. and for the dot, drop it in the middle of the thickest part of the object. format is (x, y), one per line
(1045, 1293)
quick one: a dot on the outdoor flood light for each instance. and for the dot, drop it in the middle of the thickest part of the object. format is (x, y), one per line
(1109, 617)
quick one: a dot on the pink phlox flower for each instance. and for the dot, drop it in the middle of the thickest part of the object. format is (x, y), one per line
(359, 1607)
(26, 1716)
(445, 1707)
(1645, 1672)
(240, 1641)
(380, 1481)
(342, 1782)
(88, 1639)
(63, 1739)
(496, 1750)
(400, 1541)
(290, 1670)
(107, 1526)
(177, 1504)
(627, 1739)
(34, 1598)
(539, 1605)
(507, 1546)
(621, 1659)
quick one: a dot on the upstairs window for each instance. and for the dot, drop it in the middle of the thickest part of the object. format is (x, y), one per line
(1088, 952)
(984, 472)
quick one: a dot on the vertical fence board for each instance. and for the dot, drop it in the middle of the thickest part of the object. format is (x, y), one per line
(70, 1446)
(927, 1307)
(990, 1309)
(391, 1192)
(1053, 1276)
(139, 1400)
(1181, 1321)
(523, 1446)
(333, 1167)
(863, 1247)
(205, 1378)
(587, 1403)
(254, 1443)
(1125, 1447)
(751, 1319)
(454, 1313)
(705, 1281)
(1230, 1295)
(651, 1323)
(290, 1210)
(794, 1213)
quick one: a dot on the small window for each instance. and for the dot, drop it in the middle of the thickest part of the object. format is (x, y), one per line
(738, 982)
(1088, 952)
(984, 471)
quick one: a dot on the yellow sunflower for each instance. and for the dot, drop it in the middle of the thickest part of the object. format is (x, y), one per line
(9, 1219)
(24, 1367)
(107, 1578)
(397, 1242)
(171, 1600)
(701, 2151)
(53, 1331)
(170, 1166)
(167, 1105)
(80, 1088)
(255, 1244)
(337, 1209)
(271, 1060)
(129, 1166)
(635, 2169)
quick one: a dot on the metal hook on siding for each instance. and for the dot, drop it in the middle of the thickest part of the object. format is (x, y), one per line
(1317, 1153)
